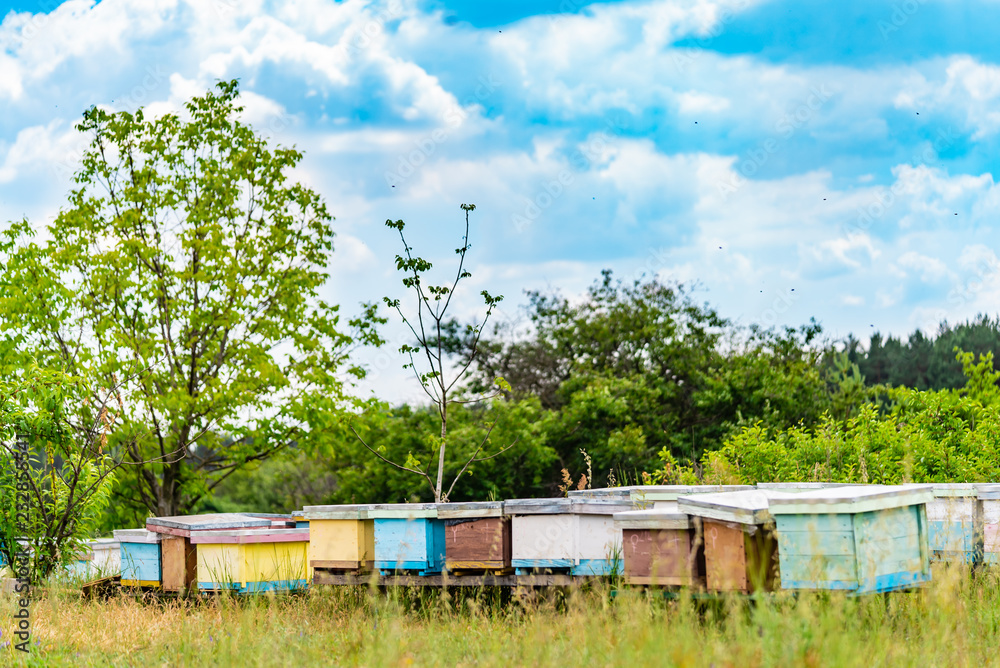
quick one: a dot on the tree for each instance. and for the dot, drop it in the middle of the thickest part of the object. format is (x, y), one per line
(431, 358)
(56, 474)
(187, 261)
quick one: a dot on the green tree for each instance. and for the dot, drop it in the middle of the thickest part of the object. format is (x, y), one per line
(188, 261)
(56, 474)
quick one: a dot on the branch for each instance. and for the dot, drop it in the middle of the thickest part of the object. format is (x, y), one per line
(476, 458)
(391, 463)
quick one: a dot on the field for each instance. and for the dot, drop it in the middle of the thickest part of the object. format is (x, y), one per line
(955, 621)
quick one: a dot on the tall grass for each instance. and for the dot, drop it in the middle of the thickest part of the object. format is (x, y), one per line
(954, 621)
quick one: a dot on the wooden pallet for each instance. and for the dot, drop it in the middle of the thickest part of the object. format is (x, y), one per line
(321, 577)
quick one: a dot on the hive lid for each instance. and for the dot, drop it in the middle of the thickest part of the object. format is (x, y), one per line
(337, 512)
(136, 536)
(103, 543)
(649, 493)
(852, 499)
(749, 506)
(470, 509)
(603, 493)
(652, 519)
(562, 505)
(187, 523)
(945, 489)
(802, 486)
(988, 490)
(265, 535)
(407, 511)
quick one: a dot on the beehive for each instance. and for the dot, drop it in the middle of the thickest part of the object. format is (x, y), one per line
(107, 557)
(661, 548)
(741, 553)
(858, 539)
(252, 560)
(955, 523)
(341, 538)
(140, 558)
(988, 495)
(476, 536)
(408, 537)
(569, 535)
(179, 555)
(664, 497)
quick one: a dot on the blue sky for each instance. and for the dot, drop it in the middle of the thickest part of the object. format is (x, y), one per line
(794, 160)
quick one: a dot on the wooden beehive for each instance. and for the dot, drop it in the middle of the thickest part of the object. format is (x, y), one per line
(179, 554)
(988, 495)
(140, 558)
(107, 557)
(664, 497)
(577, 536)
(858, 539)
(476, 536)
(741, 552)
(252, 560)
(341, 538)
(662, 548)
(408, 537)
(955, 523)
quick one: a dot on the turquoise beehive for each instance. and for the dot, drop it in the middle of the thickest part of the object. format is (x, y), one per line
(408, 537)
(856, 539)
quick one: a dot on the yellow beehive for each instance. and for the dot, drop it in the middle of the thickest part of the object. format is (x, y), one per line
(340, 537)
(252, 560)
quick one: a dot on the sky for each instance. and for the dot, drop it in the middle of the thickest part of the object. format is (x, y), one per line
(788, 160)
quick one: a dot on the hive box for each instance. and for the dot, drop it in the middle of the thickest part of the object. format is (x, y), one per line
(858, 539)
(179, 554)
(408, 537)
(341, 538)
(955, 523)
(107, 557)
(741, 552)
(476, 536)
(988, 495)
(140, 558)
(664, 497)
(661, 548)
(252, 560)
(565, 534)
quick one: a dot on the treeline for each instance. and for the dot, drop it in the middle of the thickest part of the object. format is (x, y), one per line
(639, 381)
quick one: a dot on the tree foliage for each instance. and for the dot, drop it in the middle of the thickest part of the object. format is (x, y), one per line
(916, 436)
(188, 261)
(54, 491)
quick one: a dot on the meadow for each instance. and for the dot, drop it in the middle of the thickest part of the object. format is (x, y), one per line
(955, 621)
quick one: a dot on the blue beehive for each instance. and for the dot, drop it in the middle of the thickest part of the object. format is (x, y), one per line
(857, 539)
(408, 537)
(140, 558)
(955, 523)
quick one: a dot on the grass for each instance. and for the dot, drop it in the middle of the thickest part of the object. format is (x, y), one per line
(954, 622)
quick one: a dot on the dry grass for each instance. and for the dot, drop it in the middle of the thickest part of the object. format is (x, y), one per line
(956, 621)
